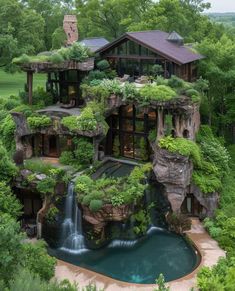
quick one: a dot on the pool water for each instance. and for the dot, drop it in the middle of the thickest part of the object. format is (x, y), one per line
(113, 169)
(141, 261)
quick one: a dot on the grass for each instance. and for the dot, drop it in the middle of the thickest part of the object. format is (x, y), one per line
(11, 84)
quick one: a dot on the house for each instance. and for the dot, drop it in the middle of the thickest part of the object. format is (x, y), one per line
(135, 53)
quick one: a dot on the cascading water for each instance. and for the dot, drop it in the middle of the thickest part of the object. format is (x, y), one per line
(71, 237)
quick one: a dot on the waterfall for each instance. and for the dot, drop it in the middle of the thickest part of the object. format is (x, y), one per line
(71, 228)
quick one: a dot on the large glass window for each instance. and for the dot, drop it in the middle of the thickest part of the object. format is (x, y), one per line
(132, 136)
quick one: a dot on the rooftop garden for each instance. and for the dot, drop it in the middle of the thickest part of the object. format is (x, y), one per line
(159, 90)
(76, 52)
(117, 192)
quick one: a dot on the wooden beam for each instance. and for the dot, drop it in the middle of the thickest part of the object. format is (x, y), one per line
(30, 86)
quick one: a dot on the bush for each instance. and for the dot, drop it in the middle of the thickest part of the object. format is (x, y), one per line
(157, 93)
(95, 205)
(24, 59)
(175, 82)
(87, 120)
(78, 52)
(96, 75)
(8, 202)
(84, 151)
(182, 146)
(178, 222)
(38, 166)
(7, 132)
(36, 259)
(112, 86)
(52, 214)
(193, 94)
(56, 58)
(130, 92)
(40, 121)
(41, 98)
(103, 65)
(67, 158)
(8, 169)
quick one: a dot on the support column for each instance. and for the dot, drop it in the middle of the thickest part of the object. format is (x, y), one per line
(30, 86)
(160, 124)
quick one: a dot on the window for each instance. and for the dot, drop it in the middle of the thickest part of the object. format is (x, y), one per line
(133, 48)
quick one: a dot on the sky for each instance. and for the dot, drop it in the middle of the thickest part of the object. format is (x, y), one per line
(222, 5)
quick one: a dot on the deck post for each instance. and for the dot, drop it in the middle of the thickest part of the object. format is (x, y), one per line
(30, 86)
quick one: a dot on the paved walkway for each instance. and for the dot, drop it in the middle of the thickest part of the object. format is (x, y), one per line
(208, 248)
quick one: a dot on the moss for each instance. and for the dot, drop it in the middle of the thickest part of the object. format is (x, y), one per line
(182, 146)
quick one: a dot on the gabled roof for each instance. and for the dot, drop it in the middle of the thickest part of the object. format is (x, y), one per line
(157, 41)
(94, 43)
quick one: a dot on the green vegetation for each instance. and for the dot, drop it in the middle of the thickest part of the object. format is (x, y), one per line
(76, 52)
(81, 156)
(96, 193)
(209, 156)
(40, 121)
(183, 147)
(157, 93)
(12, 84)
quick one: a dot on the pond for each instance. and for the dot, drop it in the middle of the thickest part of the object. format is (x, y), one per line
(139, 261)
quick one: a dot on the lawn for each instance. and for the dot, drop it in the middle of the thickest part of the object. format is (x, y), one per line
(11, 84)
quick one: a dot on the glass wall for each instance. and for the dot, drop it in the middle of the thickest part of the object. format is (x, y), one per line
(128, 133)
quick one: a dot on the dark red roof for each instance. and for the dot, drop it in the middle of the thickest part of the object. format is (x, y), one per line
(156, 40)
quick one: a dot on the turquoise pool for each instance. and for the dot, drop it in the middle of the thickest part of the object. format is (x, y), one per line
(139, 261)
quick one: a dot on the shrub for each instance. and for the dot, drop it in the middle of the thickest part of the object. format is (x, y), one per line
(39, 121)
(112, 86)
(23, 108)
(52, 214)
(130, 92)
(87, 120)
(193, 94)
(67, 158)
(47, 185)
(84, 151)
(175, 82)
(96, 75)
(36, 259)
(103, 65)
(71, 122)
(56, 58)
(178, 222)
(8, 169)
(24, 59)
(142, 218)
(8, 202)
(78, 52)
(157, 93)
(7, 132)
(38, 166)
(182, 146)
(95, 205)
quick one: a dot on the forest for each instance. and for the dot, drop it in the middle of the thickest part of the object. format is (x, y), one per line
(34, 26)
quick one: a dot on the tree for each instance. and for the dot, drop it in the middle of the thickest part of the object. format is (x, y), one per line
(8, 169)
(219, 69)
(58, 38)
(8, 202)
(109, 18)
(10, 246)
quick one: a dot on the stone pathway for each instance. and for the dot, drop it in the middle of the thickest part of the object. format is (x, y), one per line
(208, 248)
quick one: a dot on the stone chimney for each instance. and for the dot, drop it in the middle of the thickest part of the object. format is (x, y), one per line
(70, 28)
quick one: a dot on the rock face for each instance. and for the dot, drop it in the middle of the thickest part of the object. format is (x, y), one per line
(174, 172)
(210, 202)
(107, 213)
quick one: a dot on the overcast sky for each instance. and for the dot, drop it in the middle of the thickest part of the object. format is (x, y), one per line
(222, 5)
